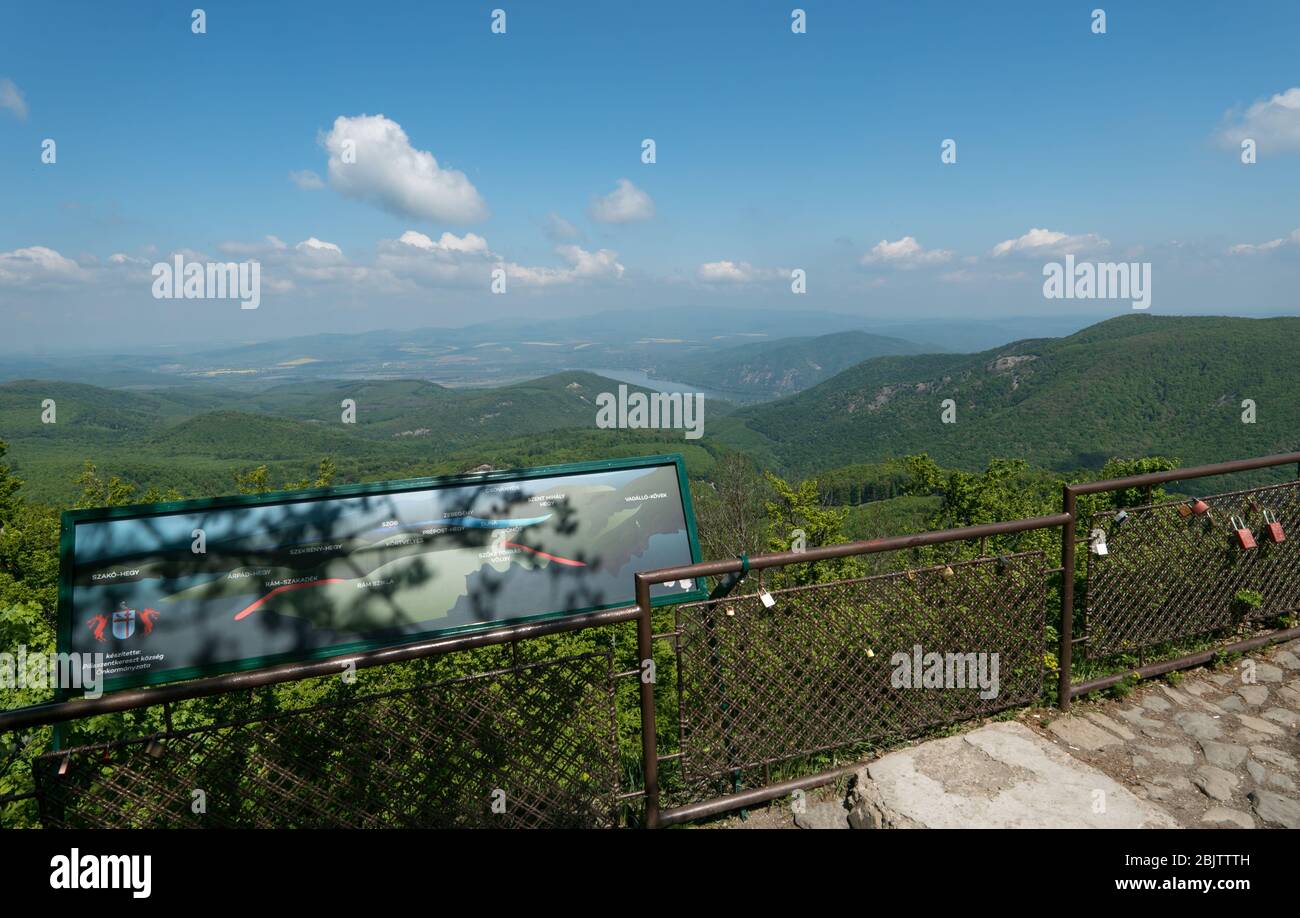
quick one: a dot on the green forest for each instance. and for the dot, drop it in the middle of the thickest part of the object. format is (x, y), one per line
(862, 455)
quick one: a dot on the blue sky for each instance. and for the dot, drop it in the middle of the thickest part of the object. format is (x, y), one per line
(774, 151)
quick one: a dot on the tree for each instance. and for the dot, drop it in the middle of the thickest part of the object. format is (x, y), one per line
(256, 481)
(95, 492)
(798, 516)
(325, 473)
(731, 510)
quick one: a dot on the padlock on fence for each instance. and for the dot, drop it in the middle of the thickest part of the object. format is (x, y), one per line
(1241, 532)
(1199, 507)
(1273, 527)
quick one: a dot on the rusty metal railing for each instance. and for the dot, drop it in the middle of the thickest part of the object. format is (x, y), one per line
(1172, 575)
(756, 688)
(526, 746)
(761, 688)
(503, 742)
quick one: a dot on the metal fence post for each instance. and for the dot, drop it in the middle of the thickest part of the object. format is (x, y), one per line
(649, 742)
(1065, 652)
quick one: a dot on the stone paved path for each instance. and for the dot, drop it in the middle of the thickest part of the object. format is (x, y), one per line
(1216, 748)
(1210, 748)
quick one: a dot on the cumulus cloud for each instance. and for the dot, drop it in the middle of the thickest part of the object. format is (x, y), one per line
(625, 204)
(306, 179)
(468, 260)
(448, 242)
(390, 173)
(1274, 124)
(316, 246)
(11, 97)
(736, 272)
(1040, 241)
(1264, 248)
(37, 265)
(904, 253)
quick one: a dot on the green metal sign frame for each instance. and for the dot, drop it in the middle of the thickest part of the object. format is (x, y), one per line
(71, 518)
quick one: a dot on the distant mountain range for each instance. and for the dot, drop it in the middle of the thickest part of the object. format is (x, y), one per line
(764, 370)
(659, 342)
(1130, 386)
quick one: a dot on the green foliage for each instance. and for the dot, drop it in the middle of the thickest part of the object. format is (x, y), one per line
(1124, 468)
(769, 369)
(731, 509)
(798, 510)
(1133, 385)
(254, 481)
(1248, 600)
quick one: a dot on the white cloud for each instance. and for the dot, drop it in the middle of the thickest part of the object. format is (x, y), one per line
(1040, 241)
(314, 245)
(560, 229)
(119, 258)
(736, 272)
(306, 179)
(904, 253)
(602, 264)
(38, 264)
(11, 97)
(625, 204)
(468, 260)
(726, 272)
(1273, 124)
(448, 242)
(1246, 248)
(392, 174)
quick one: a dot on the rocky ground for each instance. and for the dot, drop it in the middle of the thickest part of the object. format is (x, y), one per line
(1204, 748)
(1218, 748)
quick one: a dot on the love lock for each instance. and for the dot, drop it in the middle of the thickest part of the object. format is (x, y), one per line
(1245, 538)
(1097, 542)
(1273, 527)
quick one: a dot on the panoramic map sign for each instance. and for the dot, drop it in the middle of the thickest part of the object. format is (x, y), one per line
(173, 591)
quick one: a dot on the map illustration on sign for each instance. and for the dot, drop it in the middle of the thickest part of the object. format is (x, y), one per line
(236, 583)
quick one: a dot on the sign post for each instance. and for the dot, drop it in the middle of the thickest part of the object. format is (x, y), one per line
(197, 588)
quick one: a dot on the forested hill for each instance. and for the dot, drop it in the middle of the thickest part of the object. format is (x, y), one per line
(193, 438)
(763, 370)
(1130, 386)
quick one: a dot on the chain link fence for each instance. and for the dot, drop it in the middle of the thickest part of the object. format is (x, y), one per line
(533, 745)
(1171, 572)
(831, 665)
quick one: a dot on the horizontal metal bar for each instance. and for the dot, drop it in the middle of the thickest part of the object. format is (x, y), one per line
(717, 805)
(1198, 471)
(849, 549)
(61, 711)
(671, 757)
(1186, 662)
